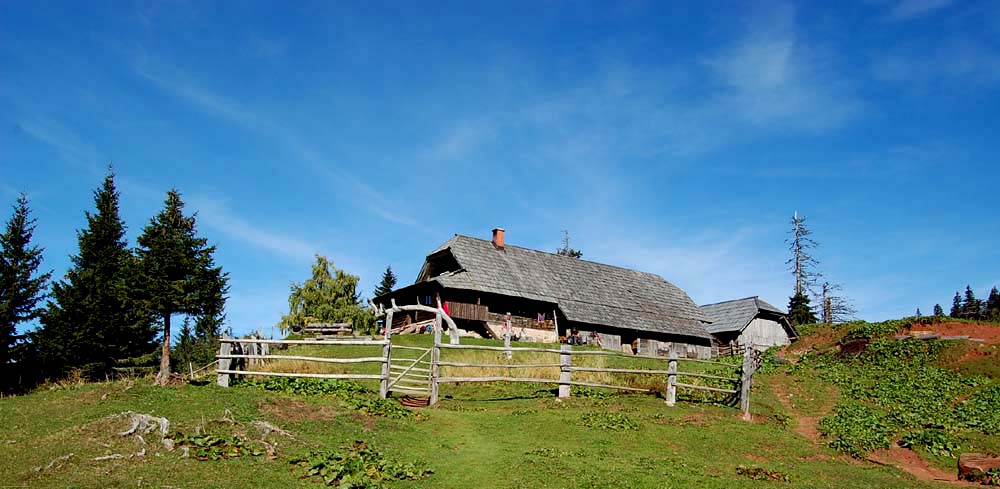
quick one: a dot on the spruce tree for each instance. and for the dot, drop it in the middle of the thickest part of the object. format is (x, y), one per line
(21, 286)
(992, 312)
(938, 310)
(799, 310)
(92, 318)
(184, 352)
(971, 307)
(956, 306)
(207, 329)
(387, 284)
(179, 275)
(918, 313)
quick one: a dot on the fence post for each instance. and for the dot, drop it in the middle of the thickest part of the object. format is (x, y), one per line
(672, 378)
(224, 349)
(506, 337)
(452, 332)
(383, 390)
(435, 358)
(565, 361)
(746, 378)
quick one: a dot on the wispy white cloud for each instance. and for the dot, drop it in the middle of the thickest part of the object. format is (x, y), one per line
(174, 81)
(711, 267)
(460, 140)
(70, 147)
(772, 76)
(268, 48)
(911, 9)
(215, 214)
(959, 60)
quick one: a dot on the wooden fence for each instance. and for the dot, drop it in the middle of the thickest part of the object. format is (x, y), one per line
(235, 354)
(741, 380)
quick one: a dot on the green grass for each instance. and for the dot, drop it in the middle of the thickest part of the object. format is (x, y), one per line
(502, 436)
(645, 381)
(938, 398)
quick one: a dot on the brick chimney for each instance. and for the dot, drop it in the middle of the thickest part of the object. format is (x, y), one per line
(498, 238)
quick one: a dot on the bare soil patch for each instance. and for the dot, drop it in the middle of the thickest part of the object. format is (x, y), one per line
(296, 410)
(985, 331)
(908, 461)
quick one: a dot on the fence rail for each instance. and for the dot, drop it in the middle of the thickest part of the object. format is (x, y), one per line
(566, 369)
(233, 352)
(409, 375)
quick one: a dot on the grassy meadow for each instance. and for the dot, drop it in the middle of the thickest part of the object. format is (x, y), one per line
(502, 435)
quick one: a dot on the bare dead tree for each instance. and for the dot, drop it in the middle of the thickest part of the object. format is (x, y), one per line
(802, 264)
(836, 308)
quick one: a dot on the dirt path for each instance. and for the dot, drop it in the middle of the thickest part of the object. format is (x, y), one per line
(807, 426)
(910, 462)
(901, 458)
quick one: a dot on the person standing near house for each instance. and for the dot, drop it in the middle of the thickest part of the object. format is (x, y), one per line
(594, 338)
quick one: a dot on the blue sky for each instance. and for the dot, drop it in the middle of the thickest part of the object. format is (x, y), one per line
(672, 137)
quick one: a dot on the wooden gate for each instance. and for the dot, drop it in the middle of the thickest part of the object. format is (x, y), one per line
(410, 370)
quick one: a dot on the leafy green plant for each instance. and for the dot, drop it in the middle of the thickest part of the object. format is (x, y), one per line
(307, 387)
(783, 420)
(610, 421)
(210, 447)
(552, 453)
(856, 429)
(357, 466)
(935, 441)
(376, 406)
(523, 412)
(761, 474)
(980, 412)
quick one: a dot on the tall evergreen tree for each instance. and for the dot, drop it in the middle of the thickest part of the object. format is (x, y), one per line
(799, 310)
(21, 286)
(92, 318)
(971, 307)
(992, 312)
(179, 275)
(918, 313)
(387, 284)
(956, 306)
(207, 329)
(184, 349)
(330, 295)
(938, 310)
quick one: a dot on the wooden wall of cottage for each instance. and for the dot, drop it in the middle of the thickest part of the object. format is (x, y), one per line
(649, 344)
(474, 310)
(764, 333)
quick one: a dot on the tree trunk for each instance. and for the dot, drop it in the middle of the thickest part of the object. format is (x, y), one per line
(164, 376)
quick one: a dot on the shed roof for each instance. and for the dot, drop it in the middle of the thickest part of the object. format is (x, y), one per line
(585, 291)
(734, 315)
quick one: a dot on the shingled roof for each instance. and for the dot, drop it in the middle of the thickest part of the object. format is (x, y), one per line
(734, 315)
(585, 291)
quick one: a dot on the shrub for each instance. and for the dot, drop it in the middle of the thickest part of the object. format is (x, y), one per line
(935, 441)
(856, 429)
(357, 467)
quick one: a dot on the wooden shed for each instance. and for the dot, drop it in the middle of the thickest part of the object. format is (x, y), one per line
(546, 295)
(749, 321)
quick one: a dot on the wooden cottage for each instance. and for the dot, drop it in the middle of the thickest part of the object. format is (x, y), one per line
(749, 321)
(483, 283)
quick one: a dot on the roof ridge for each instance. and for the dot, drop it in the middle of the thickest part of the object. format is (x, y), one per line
(755, 297)
(565, 257)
